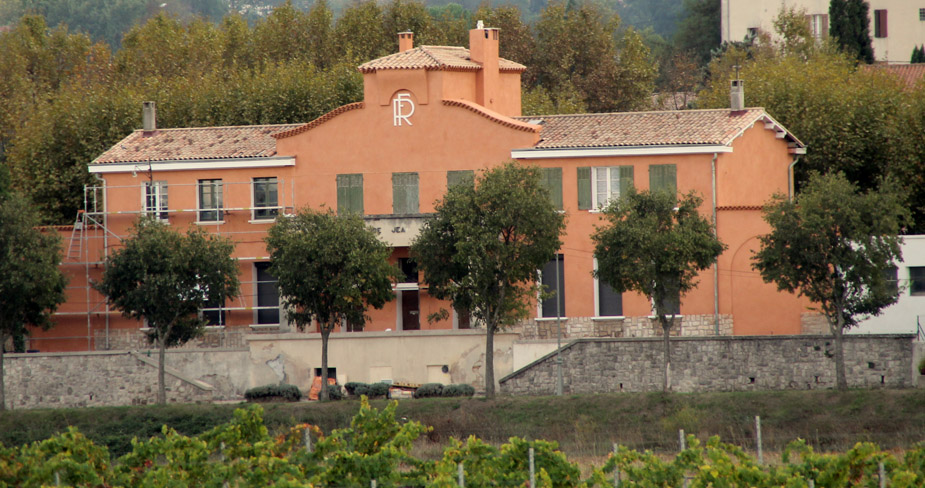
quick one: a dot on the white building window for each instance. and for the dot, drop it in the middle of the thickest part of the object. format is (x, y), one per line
(609, 182)
(266, 199)
(156, 199)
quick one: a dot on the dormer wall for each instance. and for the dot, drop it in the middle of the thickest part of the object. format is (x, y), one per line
(496, 90)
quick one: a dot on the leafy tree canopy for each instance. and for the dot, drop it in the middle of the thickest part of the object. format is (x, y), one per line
(165, 278)
(485, 244)
(31, 283)
(654, 244)
(834, 245)
(849, 25)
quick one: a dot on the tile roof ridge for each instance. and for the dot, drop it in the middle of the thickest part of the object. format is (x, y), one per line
(504, 120)
(320, 120)
(644, 112)
(217, 127)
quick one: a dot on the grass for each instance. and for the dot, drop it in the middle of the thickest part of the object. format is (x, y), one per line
(585, 425)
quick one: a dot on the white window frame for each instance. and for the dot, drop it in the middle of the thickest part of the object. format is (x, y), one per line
(219, 209)
(159, 210)
(254, 206)
(596, 204)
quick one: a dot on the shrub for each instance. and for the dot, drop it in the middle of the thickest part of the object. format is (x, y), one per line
(461, 390)
(335, 392)
(377, 390)
(429, 390)
(269, 393)
(355, 388)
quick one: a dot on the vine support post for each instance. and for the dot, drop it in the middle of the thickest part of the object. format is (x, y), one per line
(616, 468)
(758, 439)
(532, 470)
(460, 475)
(681, 441)
(881, 471)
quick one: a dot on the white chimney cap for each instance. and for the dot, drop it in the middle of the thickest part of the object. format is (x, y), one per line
(480, 25)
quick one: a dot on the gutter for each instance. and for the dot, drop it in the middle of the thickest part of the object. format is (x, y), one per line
(790, 182)
(715, 264)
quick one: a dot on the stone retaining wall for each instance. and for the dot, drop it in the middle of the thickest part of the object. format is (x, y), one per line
(718, 364)
(587, 327)
(54, 380)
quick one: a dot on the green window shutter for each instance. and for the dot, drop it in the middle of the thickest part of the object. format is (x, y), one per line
(626, 179)
(584, 188)
(552, 180)
(350, 194)
(663, 177)
(464, 177)
(404, 193)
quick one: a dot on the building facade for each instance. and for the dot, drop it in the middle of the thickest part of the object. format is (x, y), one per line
(431, 117)
(896, 26)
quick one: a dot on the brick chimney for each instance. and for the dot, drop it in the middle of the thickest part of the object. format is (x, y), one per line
(405, 41)
(148, 118)
(483, 49)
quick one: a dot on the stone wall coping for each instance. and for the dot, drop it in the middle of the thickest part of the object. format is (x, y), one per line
(117, 352)
(373, 335)
(699, 339)
(202, 385)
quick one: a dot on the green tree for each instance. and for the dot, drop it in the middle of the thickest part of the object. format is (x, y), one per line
(165, 278)
(484, 246)
(329, 268)
(360, 33)
(31, 284)
(654, 244)
(834, 245)
(699, 29)
(849, 25)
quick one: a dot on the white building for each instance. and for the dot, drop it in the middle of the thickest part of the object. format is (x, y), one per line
(902, 316)
(896, 26)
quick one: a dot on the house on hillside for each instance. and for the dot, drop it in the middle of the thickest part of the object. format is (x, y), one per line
(896, 26)
(431, 117)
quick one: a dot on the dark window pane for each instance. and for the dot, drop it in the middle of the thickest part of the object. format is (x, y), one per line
(409, 269)
(267, 295)
(917, 280)
(550, 286)
(610, 302)
(266, 198)
(210, 201)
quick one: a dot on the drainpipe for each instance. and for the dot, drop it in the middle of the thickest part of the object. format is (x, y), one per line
(790, 184)
(715, 265)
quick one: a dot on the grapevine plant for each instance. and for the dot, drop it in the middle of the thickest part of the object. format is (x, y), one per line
(377, 446)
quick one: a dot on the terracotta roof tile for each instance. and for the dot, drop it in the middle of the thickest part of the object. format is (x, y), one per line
(196, 143)
(676, 127)
(910, 74)
(320, 120)
(434, 58)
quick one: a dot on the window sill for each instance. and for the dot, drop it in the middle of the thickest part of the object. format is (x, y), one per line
(551, 319)
(677, 316)
(608, 317)
(264, 326)
(406, 286)
(214, 327)
(262, 221)
(209, 222)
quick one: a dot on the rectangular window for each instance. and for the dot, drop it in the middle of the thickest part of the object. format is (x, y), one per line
(156, 199)
(555, 268)
(214, 313)
(880, 23)
(891, 275)
(462, 177)
(609, 183)
(609, 302)
(210, 201)
(663, 177)
(404, 193)
(672, 302)
(922, 14)
(266, 199)
(409, 270)
(818, 25)
(463, 318)
(267, 295)
(917, 281)
(350, 194)
(551, 179)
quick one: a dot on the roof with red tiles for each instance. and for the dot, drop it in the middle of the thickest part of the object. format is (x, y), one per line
(197, 143)
(910, 74)
(448, 58)
(514, 123)
(669, 128)
(320, 120)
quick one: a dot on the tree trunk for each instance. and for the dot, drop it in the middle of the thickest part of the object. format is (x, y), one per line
(841, 379)
(2, 385)
(666, 327)
(161, 355)
(489, 362)
(325, 333)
